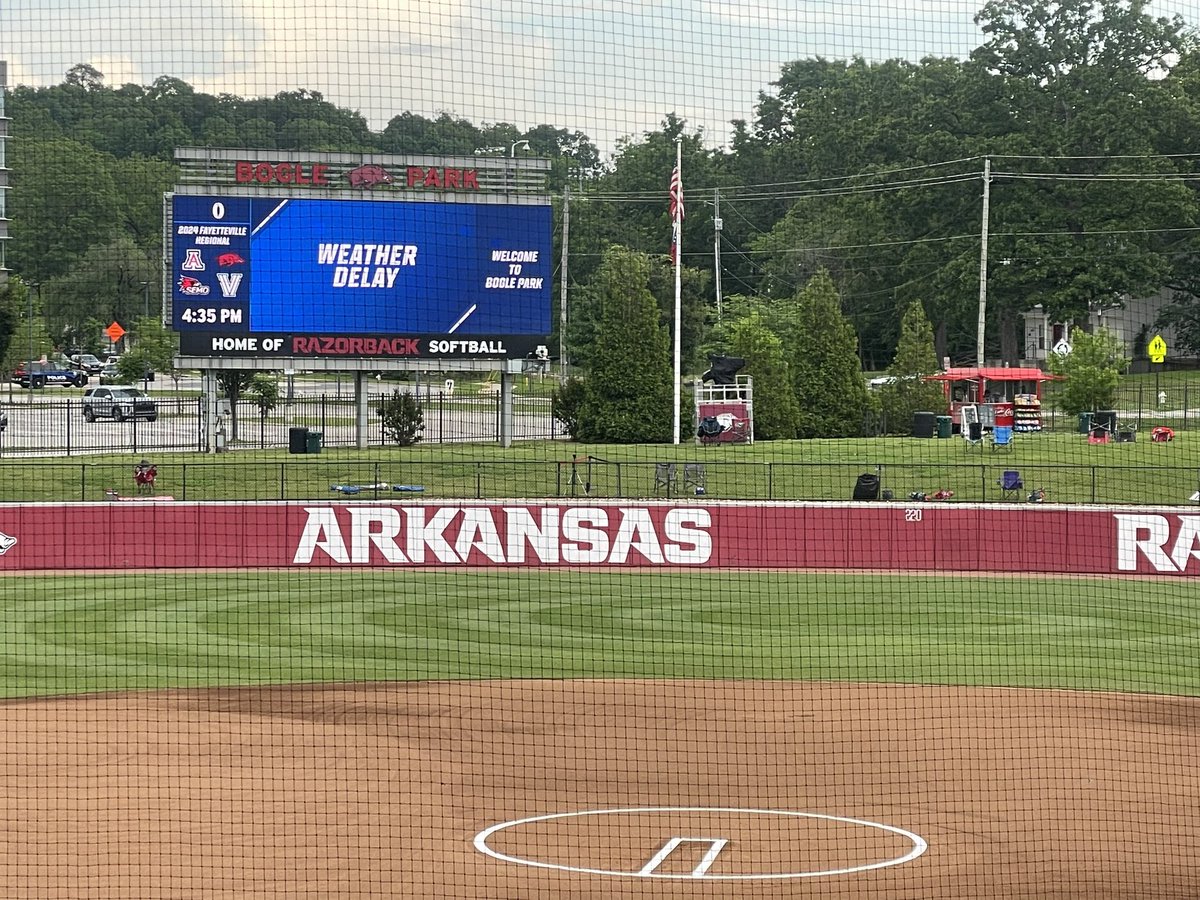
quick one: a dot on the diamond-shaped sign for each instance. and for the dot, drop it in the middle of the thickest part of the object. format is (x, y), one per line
(1157, 349)
(115, 332)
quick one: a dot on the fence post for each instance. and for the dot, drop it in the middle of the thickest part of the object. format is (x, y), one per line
(478, 480)
(68, 423)
(1093, 484)
(183, 482)
(1186, 405)
(558, 478)
(82, 481)
(619, 492)
(282, 480)
(376, 481)
(983, 484)
(770, 481)
(1140, 407)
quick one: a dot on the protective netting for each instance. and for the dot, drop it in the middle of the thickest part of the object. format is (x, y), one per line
(510, 450)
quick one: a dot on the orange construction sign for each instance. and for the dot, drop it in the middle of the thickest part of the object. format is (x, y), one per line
(115, 332)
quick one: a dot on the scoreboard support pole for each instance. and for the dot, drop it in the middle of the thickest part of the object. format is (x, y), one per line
(506, 408)
(360, 410)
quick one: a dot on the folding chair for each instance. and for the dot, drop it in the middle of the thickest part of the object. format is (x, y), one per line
(664, 477)
(1002, 438)
(1011, 485)
(972, 433)
(695, 477)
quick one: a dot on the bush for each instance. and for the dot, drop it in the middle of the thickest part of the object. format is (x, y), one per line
(403, 418)
(565, 403)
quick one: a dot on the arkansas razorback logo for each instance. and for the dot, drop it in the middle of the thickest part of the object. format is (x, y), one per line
(7, 542)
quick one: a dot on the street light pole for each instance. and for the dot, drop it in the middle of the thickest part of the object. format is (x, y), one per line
(145, 299)
(512, 151)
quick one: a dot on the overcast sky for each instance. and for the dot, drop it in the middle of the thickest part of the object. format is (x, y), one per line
(609, 68)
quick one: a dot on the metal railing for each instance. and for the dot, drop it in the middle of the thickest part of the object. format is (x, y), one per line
(589, 478)
(40, 425)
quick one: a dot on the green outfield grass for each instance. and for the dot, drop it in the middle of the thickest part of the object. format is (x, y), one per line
(73, 634)
(1069, 468)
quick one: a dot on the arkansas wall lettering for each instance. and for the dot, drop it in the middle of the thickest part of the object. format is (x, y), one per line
(510, 535)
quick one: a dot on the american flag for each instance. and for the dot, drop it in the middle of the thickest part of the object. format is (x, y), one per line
(676, 209)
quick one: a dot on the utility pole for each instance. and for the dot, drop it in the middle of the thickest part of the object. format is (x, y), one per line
(29, 365)
(983, 261)
(562, 287)
(145, 299)
(717, 226)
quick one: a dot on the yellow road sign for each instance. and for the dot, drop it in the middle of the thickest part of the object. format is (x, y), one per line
(1157, 349)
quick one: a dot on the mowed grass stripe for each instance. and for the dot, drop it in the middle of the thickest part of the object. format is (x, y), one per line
(70, 634)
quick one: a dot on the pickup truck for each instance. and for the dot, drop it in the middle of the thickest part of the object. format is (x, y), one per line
(40, 374)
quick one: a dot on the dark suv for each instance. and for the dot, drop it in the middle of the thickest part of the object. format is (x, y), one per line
(40, 374)
(118, 402)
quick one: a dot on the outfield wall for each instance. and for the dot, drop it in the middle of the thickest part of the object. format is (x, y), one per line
(1025, 538)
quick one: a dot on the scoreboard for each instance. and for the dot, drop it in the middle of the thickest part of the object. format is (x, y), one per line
(368, 278)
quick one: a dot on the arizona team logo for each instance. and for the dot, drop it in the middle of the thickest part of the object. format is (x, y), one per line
(229, 259)
(7, 542)
(193, 261)
(193, 287)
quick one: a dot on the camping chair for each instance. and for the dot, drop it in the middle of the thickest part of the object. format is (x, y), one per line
(695, 477)
(1011, 485)
(664, 477)
(972, 433)
(1002, 438)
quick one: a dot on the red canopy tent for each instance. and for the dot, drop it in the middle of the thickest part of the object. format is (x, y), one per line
(991, 385)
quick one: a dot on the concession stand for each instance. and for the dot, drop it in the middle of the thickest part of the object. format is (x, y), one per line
(1002, 395)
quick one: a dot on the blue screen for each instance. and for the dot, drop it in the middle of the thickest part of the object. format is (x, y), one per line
(360, 266)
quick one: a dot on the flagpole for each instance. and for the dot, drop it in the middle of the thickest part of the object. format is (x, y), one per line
(678, 261)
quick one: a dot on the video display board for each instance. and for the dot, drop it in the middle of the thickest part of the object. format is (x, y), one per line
(316, 277)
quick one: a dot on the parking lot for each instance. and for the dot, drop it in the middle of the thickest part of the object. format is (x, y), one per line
(50, 421)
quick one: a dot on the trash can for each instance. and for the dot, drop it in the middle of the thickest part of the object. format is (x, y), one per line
(923, 424)
(312, 443)
(1085, 423)
(297, 440)
(945, 426)
(866, 487)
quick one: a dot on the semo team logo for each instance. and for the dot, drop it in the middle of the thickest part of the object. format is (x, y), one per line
(7, 542)
(193, 287)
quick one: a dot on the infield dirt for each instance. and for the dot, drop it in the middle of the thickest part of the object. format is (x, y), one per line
(379, 790)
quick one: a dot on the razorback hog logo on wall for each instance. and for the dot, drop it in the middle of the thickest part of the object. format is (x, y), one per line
(494, 535)
(1168, 544)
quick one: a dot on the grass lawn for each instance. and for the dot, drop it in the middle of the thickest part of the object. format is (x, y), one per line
(1070, 469)
(69, 634)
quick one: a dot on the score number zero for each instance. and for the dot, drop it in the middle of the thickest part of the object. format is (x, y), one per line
(913, 514)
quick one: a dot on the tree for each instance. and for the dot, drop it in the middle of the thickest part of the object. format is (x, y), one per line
(158, 344)
(264, 391)
(402, 416)
(823, 355)
(1091, 369)
(232, 383)
(776, 411)
(565, 403)
(23, 329)
(628, 393)
(915, 357)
